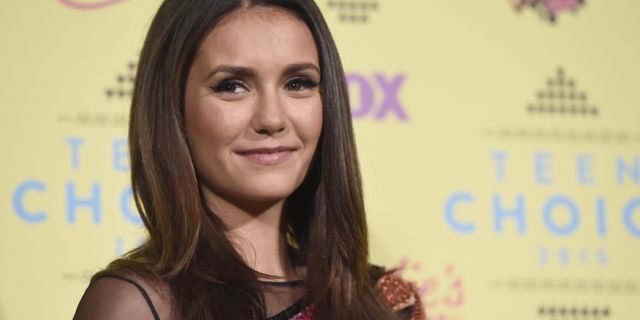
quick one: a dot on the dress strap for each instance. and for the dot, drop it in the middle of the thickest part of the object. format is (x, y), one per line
(144, 293)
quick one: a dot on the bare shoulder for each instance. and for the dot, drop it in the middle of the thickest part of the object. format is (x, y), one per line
(124, 297)
(400, 295)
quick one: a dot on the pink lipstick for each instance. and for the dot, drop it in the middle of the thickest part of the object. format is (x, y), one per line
(268, 156)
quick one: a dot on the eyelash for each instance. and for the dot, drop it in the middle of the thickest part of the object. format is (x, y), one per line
(231, 85)
(306, 83)
(228, 85)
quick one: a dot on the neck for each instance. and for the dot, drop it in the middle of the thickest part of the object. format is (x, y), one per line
(256, 233)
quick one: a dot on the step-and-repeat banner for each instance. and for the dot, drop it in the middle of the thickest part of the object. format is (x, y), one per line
(499, 141)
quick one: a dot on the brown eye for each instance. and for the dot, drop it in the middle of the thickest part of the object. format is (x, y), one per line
(230, 86)
(299, 84)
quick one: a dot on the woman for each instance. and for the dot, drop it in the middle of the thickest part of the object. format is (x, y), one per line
(245, 174)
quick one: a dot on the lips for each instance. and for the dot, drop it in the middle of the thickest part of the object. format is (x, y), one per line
(267, 156)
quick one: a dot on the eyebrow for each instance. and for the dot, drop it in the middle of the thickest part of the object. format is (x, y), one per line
(249, 72)
(297, 67)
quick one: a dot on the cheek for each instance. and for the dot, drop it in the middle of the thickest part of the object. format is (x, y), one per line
(213, 124)
(309, 122)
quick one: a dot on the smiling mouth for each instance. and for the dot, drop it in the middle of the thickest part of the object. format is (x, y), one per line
(268, 156)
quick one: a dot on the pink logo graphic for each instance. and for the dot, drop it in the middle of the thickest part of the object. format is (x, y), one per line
(442, 294)
(549, 8)
(88, 5)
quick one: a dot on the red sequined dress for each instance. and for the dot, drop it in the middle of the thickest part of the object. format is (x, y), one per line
(398, 294)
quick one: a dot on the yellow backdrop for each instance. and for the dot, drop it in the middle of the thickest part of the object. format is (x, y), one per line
(499, 143)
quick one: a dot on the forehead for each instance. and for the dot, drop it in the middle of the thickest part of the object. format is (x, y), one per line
(258, 36)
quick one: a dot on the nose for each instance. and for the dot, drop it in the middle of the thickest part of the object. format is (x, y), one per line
(269, 117)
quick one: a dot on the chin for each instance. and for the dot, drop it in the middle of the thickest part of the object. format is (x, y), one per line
(255, 190)
(268, 193)
(269, 187)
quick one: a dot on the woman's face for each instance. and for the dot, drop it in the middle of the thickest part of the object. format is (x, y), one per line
(253, 110)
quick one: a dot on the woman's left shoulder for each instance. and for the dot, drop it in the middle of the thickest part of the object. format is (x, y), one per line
(397, 293)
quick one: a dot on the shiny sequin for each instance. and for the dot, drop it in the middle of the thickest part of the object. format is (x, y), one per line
(306, 314)
(399, 294)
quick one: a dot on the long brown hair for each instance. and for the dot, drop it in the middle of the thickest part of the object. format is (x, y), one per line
(187, 249)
